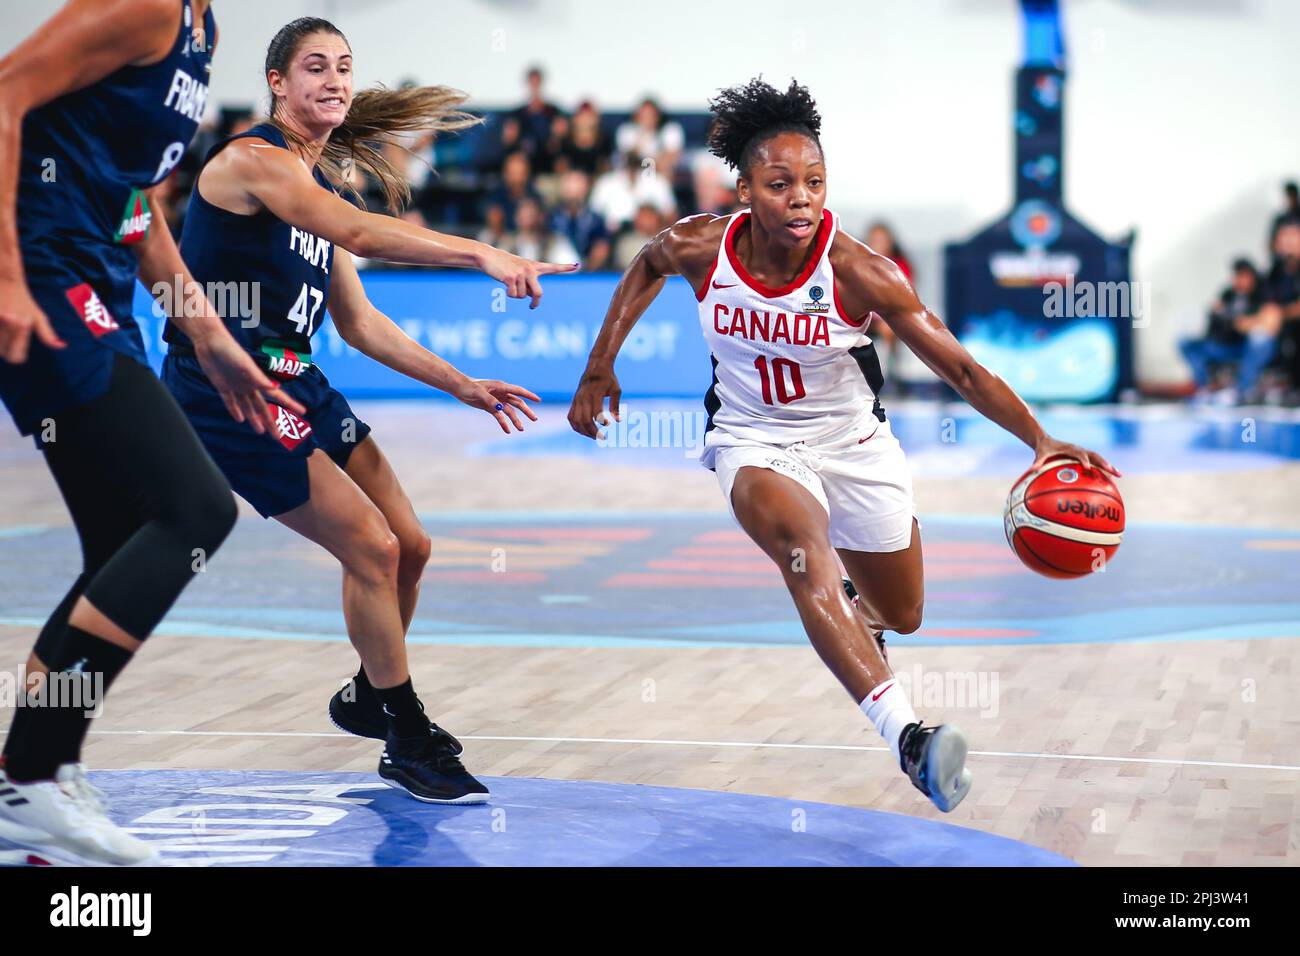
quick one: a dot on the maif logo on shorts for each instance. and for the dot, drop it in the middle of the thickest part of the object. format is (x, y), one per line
(97, 318)
(291, 430)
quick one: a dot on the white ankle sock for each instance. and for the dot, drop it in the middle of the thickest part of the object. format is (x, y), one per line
(888, 708)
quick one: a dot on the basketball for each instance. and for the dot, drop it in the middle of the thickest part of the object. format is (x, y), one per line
(1063, 520)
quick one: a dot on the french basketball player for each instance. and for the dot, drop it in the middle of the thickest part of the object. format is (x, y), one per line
(266, 209)
(96, 108)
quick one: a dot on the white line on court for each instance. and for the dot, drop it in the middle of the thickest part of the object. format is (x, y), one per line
(1101, 758)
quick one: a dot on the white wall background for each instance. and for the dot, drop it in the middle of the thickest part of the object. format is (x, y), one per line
(1181, 114)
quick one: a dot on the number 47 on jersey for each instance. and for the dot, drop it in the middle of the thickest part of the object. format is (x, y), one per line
(305, 321)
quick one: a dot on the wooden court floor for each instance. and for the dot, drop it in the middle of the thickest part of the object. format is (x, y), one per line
(1168, 753)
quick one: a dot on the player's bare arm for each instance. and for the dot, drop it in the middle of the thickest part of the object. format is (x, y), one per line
(252, 174)
(374, 334)
(687, 248)
(244, 387)
(872, 283)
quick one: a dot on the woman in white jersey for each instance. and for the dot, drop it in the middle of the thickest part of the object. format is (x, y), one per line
(800, 445)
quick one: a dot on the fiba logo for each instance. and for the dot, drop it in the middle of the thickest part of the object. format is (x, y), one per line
(815, 303)
(1067, 475)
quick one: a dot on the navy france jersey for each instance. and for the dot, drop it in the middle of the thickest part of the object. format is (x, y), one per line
(86, 158)
(273, 277)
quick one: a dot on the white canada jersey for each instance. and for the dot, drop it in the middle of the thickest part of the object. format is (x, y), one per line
(782, 372)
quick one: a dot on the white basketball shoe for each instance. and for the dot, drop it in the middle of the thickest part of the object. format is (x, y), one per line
(63, 822)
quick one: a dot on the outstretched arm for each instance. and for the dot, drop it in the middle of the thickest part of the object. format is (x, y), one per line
(682, 249)
(374, 334)
(872, 283)
(279, 181)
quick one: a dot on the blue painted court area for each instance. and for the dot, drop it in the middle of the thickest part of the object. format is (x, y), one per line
(276, 818)
(694, 579)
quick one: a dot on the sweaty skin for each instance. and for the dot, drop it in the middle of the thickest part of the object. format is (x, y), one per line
(785, 190)
(788, 184)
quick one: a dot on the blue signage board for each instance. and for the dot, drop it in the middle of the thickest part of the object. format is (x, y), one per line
(468, 320)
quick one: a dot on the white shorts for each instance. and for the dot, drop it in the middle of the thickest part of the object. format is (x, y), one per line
(859, 476)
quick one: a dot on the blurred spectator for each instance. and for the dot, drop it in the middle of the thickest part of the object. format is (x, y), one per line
(579, 223)
(527, 153)
(494, 230)
(645, 226)
(242, 124)
(533, 127)
(1283, 311)
(515, 187)
(532, 240)
(650, 136)
(1239, 331)
(586, 147)
(713, 183)
(1290, 210)
(881, 239)
(620, 192)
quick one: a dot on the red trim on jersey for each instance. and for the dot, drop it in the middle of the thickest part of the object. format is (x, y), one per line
(860, 323)
(704, 289)
(768, 292)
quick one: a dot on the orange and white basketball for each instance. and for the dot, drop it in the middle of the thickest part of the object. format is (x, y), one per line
(1064, 520)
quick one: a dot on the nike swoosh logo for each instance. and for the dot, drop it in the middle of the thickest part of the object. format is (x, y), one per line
(719, 285)
(876, 697)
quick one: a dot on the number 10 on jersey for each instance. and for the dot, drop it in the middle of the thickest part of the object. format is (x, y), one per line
(302, 319)
(781, 370)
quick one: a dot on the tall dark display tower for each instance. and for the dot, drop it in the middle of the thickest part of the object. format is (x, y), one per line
(1037, 296)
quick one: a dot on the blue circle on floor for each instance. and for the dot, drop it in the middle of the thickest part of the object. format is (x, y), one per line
(280, 818)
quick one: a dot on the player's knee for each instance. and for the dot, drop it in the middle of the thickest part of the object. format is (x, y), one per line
(210, 518)
(908, 620)
(376, 555)
(416, 548)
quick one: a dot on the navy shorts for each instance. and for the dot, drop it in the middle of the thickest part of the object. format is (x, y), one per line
(52, 380)
(268, 471)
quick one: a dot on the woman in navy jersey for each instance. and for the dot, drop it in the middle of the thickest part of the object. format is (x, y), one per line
(96, 108)
(266, 210)
(799, 441)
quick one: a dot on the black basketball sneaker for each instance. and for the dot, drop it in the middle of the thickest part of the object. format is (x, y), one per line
(935, 760)
(364, 715)
(428, 769)
(852, 593)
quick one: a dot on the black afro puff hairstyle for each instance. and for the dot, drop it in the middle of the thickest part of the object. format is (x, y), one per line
(747, 116)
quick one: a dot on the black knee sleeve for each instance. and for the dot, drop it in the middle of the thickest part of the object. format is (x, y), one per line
(151, 506)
